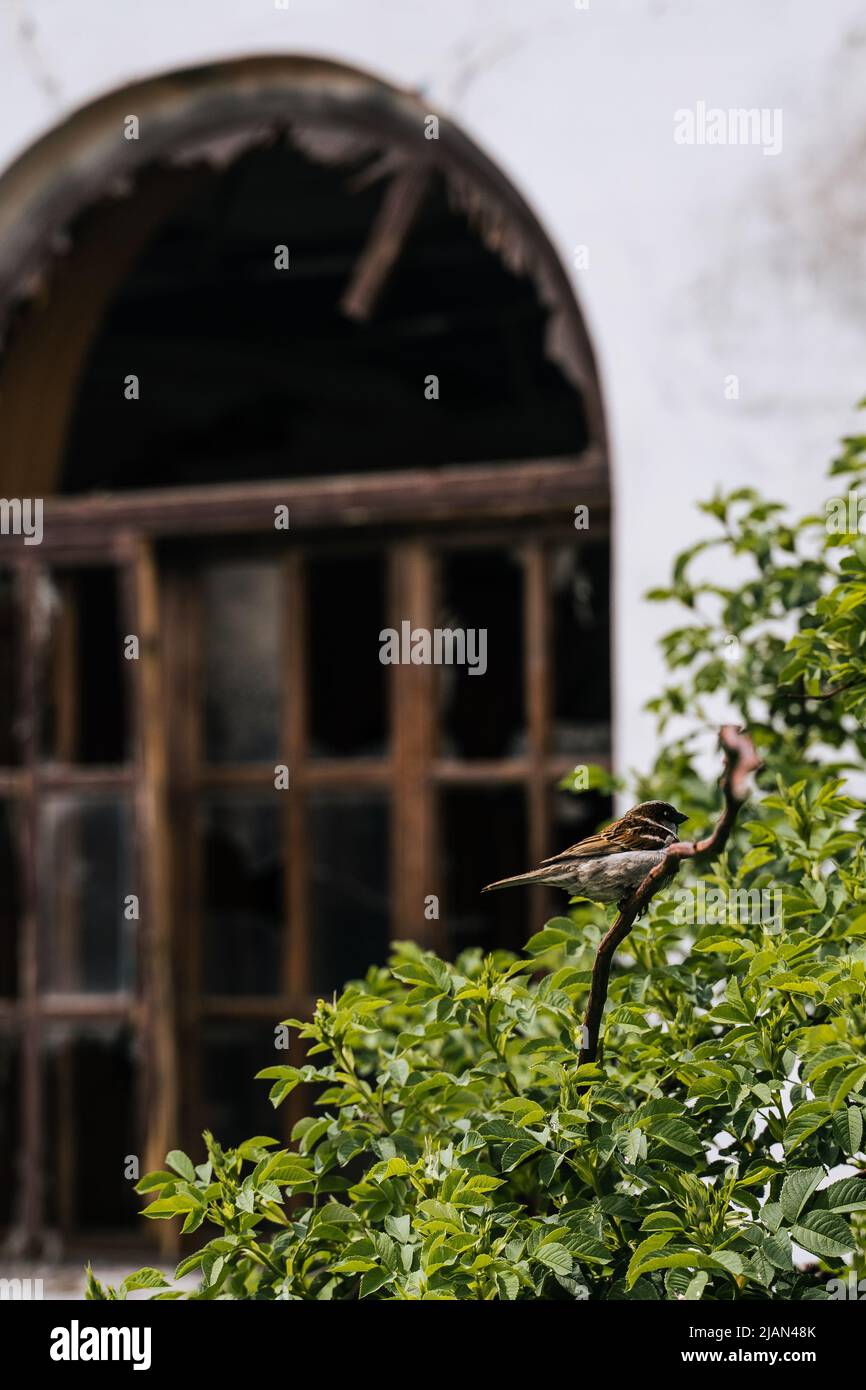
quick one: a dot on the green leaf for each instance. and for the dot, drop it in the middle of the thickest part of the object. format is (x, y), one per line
(696, 1286)
(804, 1121)
(178, 1161)
(145, 1278)
(848, 1194)
(165, 1207)
(555, 1256)
(797, 1189)
(645, 1250)
(851, 1080)
(191, 1262)
(374, 1280)
(154, 1182)
(727, 1261)
(677, 1135)
(824, 1233)
(400, 1227)
(848, 1129)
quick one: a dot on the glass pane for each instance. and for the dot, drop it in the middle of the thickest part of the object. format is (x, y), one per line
(9, 900)
(10, 1176)
(9, 651)
(90, 1121)
(348, 691)
(581, 649)
(482, 711)
(84, 683)
(349, 887)
(483, 835)
(85, 875)
(242, 896)
(242, 610)
(233, 1105)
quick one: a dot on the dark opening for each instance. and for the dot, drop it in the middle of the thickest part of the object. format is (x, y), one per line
(250, 371)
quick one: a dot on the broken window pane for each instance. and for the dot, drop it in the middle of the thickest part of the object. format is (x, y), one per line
(349, 851)
(10, 1159)
(348, 693)
(9, 667)
(481, 688)
(242, 881)
(10, 904)
(242, 611)
(88, 926)
(83, 684)
(483, 834)
(91, 1130)
(580, 585)
(233, 1104)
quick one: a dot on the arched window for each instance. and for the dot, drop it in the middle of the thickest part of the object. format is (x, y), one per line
(314, 629)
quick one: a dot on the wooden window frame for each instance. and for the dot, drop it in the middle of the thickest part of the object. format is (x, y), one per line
(412, 515)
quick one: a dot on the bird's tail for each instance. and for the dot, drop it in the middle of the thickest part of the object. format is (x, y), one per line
(542, 875)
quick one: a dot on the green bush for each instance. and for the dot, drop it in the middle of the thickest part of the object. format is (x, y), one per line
(458, 1150)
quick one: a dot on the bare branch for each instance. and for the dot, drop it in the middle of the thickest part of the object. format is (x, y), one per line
(823, 695)
(741, 761)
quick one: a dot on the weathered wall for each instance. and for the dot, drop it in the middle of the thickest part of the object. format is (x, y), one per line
(703, 261)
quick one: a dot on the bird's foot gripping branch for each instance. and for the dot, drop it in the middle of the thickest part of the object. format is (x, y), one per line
(740, 761)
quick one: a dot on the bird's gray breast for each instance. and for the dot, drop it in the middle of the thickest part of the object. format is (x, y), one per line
(610, 877)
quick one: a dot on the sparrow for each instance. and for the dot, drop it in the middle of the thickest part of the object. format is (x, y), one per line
(609, 865)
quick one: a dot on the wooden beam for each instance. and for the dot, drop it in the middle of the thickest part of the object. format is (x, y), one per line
(398, 212)
(325, 772)
(495, 771)
(493, 492)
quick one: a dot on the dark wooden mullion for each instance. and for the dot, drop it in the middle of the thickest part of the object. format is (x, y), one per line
(64, 777)
(414, 873)
(32, 1099)
(68, 1008)
(67, 934)
(159, 1101)
(537, 688)
(181, 616)
(297, 943)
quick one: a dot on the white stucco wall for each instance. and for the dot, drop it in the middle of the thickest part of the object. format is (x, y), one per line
(703, 261)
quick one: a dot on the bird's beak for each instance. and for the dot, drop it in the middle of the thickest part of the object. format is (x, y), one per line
(681, 817)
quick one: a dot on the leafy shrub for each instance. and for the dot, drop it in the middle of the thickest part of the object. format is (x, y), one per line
(462, 1153)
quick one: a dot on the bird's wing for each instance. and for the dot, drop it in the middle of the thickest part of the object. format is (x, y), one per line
(593, 847)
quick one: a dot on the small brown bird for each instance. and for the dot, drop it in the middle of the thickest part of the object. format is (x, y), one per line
(608, 866)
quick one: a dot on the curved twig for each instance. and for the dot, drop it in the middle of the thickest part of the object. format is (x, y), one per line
(741, 761)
